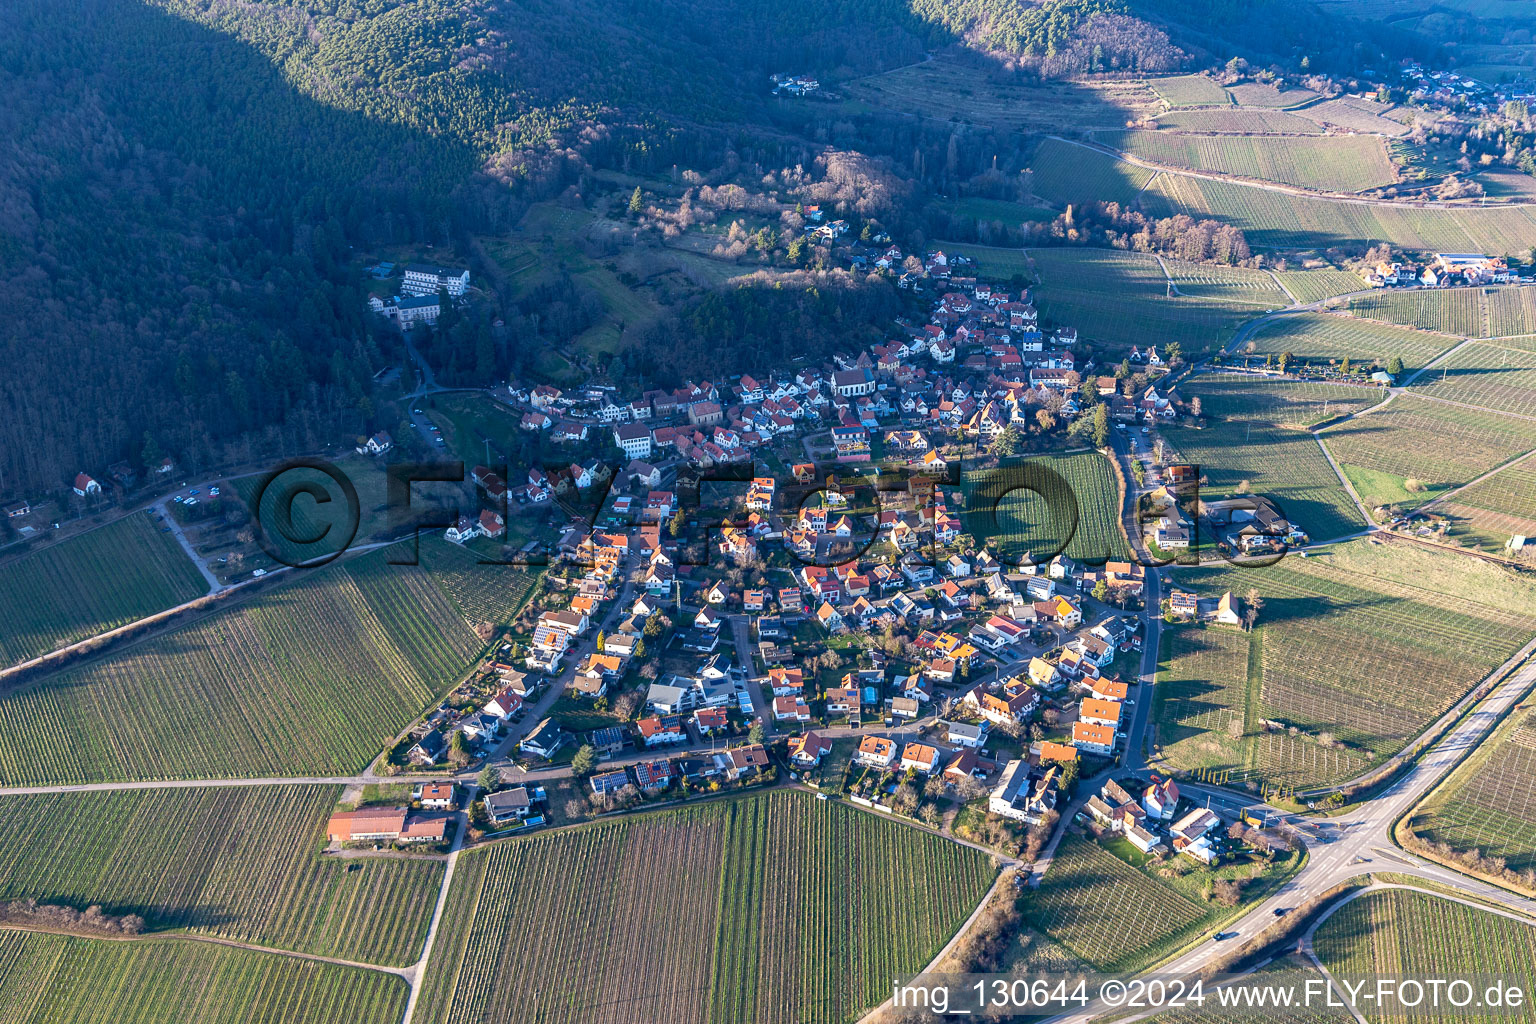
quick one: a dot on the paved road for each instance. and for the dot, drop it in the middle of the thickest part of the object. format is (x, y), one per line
(163, 508)
(1365, 844)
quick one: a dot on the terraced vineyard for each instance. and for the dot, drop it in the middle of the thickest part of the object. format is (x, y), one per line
(1202, 698)
(1356, 114)
(57, 979)
(1091, 901)
(1333, 163)
(1499, 507)
(1511, 311)
(794, 910)
(1487, 375)
(1418, 935)
(1257, 435)
(92, 583)
(1489, 804)
(1292, 971)
(239, 863)
(1316, 285)
(1121, 299)
(1458, 311)
(311, 678)
(1413, 649)
(1262, 94)
(1024, 510)
(1229, 284)
(1220, 120)
(1190, 91)
(1063, 172)
(1441, 446)
(1324, 337)
(1283, 220)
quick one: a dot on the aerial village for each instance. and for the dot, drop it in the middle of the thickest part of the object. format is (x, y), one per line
(792, 629)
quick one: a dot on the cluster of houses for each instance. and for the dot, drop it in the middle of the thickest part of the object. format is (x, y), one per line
(1454, 89)
(1445, 270)
(1154, 820)
(737, 764)
(980, 363)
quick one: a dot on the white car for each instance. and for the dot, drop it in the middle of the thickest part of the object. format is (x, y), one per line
(258, 573)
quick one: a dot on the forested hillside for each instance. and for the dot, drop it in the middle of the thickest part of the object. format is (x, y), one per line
(187, 182)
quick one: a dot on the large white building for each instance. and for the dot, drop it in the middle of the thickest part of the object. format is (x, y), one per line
(426, 279)
(635, 439)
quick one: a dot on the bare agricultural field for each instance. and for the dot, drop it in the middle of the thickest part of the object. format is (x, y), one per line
(1440, 446)
(1332, 164)
(1484, 374)
(1420, 626)
(1263, 94)
(1489, 804)
(1063, 172)
(1190, 91)
(1238, 121)
(946, 89)
(1325, 337)
(1283, 220)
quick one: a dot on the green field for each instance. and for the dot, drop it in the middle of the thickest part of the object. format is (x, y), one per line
(1068, 173)
(1489, 804)
(311, 678)
(1120, 918)
(1024, 510)
(1256, 433)
(1281, 220)
(1361, 647)
(1458, 311)
(1121, 299)
(1190, 91)
(1441, 446)
(774, 908)
(1487, 375)
(92, 583)
(1418, 935)
(1325, 337)
(1216, 282)
(1009, 213)
(239, 863)
(57, 979)
(1334, 164)
(1230, 120)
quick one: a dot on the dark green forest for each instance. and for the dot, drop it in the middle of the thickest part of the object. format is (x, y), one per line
(187, 182)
